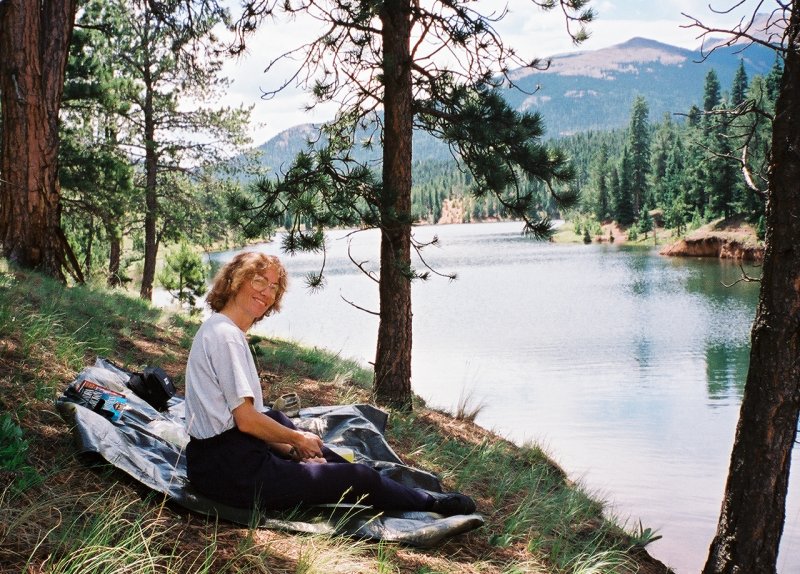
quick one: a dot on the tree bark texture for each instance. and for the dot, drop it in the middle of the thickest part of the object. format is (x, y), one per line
(150, 189)
(34, 44)
(753, 508)
(114, 258)
(392, 385)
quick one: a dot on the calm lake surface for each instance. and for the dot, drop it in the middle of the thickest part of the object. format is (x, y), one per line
(627, 367)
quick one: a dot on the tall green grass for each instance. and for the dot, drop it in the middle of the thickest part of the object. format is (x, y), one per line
(111, 531)
(314, 363)
(115, 532)
(60, 328)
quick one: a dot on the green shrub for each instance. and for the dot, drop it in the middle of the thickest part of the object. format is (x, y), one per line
(14, 454)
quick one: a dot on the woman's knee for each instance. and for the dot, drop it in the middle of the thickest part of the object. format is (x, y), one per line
(365, 478)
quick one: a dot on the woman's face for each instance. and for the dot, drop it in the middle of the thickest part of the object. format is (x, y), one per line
(257, 295)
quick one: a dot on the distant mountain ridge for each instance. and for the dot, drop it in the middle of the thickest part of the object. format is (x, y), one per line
(595, 90)
(607, 62)
(590, 90)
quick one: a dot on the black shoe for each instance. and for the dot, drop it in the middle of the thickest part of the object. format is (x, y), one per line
(451, 503)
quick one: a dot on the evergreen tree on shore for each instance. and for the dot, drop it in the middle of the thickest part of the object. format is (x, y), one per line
(639, 150)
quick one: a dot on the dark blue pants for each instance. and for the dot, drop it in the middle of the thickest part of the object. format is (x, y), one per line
(240, 470)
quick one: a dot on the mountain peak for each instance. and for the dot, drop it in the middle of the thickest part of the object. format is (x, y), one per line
(638, 42)
(608, 62)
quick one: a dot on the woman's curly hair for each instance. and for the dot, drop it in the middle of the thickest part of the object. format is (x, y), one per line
(243, 267)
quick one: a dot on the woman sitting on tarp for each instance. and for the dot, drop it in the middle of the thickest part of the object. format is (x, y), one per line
(241, 454)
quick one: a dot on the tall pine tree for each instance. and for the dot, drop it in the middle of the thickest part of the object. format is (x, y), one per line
(174, 127)
(623, 198)
(711, 91)
(739, 88)
(599, 199)
(639, 150)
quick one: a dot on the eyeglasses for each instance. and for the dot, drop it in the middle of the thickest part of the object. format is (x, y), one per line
(260, 284)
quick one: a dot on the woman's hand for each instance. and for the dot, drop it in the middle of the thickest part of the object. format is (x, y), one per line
(249, 421)
(307, 445)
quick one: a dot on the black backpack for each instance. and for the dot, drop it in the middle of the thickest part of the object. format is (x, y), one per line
(154, 386)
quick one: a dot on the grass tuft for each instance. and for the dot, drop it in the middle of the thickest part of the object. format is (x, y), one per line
(467, 409)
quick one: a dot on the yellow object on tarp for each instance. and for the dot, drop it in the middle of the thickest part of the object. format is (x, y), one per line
(346, 453)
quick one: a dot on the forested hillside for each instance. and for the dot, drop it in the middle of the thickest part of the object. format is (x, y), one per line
(685, 169)
(595, 90)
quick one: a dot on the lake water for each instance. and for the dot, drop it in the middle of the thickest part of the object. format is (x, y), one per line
(628, 367)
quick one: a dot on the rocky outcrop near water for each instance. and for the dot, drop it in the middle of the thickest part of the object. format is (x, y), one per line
(719, 240)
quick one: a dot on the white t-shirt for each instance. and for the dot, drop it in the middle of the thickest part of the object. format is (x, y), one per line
(220, 373)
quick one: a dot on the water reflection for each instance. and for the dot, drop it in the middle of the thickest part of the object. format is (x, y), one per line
(725, 366)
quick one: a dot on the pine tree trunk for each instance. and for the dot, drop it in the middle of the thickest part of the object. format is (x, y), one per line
(150, 193)
(34, 43)
(87, 259)
(754, 504)
(150, 243)
(392, 386)
(114, 258)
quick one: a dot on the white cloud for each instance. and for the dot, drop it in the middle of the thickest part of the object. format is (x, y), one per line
(250, 82)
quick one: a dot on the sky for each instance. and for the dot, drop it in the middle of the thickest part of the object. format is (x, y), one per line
(533, 32)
